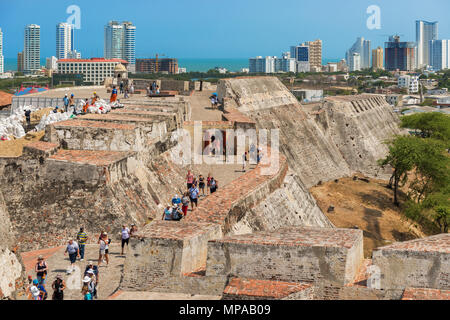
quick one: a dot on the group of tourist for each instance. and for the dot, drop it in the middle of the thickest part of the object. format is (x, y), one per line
(179, 205)
(214, 101)
(76, 249)
(153, 89)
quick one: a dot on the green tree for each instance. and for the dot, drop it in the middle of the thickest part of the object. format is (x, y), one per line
(430, 125)
(401, 157)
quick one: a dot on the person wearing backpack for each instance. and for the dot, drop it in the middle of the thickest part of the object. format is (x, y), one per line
(213, 185)
(185, 203)
(176, 213)
(193, 195)
(167, 215)
(93, 273)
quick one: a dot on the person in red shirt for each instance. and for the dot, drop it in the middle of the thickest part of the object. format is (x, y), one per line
(189, 179)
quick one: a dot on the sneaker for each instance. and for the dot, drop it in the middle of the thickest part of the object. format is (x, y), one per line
(81, 259)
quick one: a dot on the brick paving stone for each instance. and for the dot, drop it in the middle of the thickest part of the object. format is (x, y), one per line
(263, 288)
(437, 243)
(425, 294)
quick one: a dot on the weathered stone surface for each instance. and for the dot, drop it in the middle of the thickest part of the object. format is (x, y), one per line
(420, 263)
(291, 254)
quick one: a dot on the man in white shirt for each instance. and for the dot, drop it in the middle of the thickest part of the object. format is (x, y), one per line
(73, 251)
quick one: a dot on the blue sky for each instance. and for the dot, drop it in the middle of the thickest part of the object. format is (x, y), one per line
(220, 28)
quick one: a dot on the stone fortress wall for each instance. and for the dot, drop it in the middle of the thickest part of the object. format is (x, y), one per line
(261, 236)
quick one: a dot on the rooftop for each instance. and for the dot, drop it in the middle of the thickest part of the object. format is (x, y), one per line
(5, 98)
(94, 60)
(301, 237)
(97, 158)
(93, 124)
(263, 288)
(437, 243)
(174, 230)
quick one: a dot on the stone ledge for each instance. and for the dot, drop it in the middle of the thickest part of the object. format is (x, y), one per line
(93, 124)
(90, 157)
(263, 289)
(425, 294)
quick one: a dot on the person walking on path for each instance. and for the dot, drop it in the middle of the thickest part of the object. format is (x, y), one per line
(201, 184)
(133, 230)
(176, 200)
(93, 284)
(208, 183)
(33, 291)
(121, 87)
(41, 269)
(125, 95)
(66, 103)
(91, 269)
(82, 238)
(125, 237)
(58, 287)
(167, 215)
(213, 185)
(73, 251)
(85, 290)
(189, 179)
(193, 196)
(185, 203)
(104, 249)
(244, 161)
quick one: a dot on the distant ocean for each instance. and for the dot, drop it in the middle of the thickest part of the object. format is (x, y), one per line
(201, 65)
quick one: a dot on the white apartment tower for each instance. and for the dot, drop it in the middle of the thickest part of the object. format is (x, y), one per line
(362, 47)
(439, 53)
(32, 48)
(354, 62)
(2, 61)
(64, 40)
(425, 32)
(120, 42)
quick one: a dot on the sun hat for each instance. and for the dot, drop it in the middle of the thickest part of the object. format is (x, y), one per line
(86, 279)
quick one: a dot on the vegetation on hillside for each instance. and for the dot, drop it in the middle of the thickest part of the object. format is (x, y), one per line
(422, 161)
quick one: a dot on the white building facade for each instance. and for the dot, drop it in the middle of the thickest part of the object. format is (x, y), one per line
(51, 63)
(354, 62)
(409, 82)
(271, 64)
(425, 32)
(362, 47)
(32, 48)
(64, 40)
(94, 70)
(439, 53)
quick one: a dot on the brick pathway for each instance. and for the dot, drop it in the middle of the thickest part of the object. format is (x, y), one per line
(58, 264)
(201, 107)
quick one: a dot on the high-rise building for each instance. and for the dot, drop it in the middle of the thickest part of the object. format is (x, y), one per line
(439, 53)
(74, 55)
(315, 54)
(411, 83)
(120, 42)
(354, 62)
(32, 48)
(362, 47)
(399, 55)
(150, 66)
(64, 40)
(377, 58)
(50, 63)
(425, 32)
(2, 61)
(20, 62)
(271, 64)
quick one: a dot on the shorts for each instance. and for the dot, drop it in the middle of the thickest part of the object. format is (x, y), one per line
(201, 185)
(73, 257)
(189, 185)
(194, 200)
(103, 252)
(125, 241)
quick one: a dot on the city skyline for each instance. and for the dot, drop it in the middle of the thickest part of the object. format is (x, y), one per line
(192, 32)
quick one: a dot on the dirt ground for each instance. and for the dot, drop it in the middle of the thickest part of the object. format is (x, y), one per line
(368, 206)
(14, 148)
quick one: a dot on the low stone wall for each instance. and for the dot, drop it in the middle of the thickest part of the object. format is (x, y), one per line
(167, 249)
(293, 255)
(420, 263)
(95, 135)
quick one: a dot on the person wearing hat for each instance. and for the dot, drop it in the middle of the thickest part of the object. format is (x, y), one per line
(85, 290)
(93, 284)
(58, 287)
(66, 103)
(94, 98)
(34, 291)
(72, 102)
(73, 250)
(41, 269)
(92, 271)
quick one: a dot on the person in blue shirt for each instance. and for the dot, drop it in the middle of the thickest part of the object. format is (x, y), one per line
(193, 195)
(167, 215)
(176, 200)
(113, 94)
(66, 103)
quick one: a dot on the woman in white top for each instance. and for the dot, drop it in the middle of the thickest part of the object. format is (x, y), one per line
(125, 237)
(104, 246)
